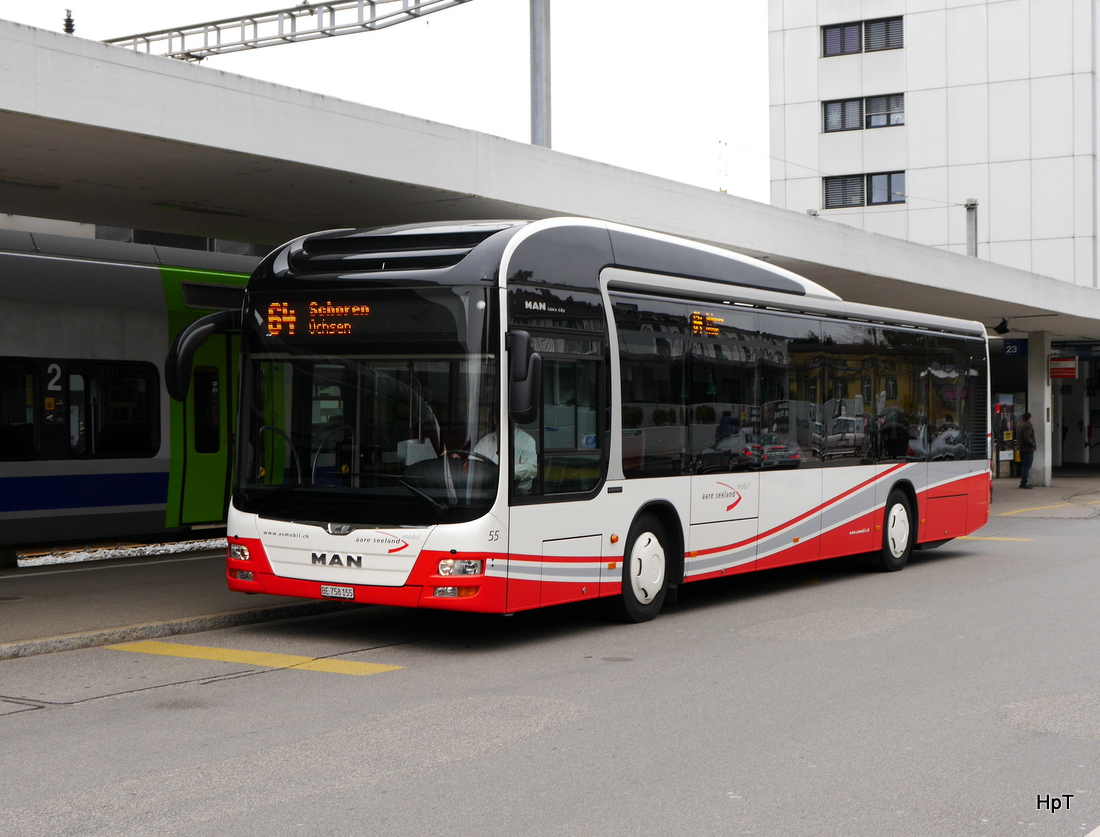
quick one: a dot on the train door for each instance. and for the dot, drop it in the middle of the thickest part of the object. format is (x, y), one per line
(201, 429)
(204, 445)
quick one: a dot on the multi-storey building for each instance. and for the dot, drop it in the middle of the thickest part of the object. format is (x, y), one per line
(895, 115)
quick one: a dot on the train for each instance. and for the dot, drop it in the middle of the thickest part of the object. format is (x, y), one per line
(92, 449)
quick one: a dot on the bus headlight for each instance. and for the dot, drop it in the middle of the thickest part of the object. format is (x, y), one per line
(455, 592)
(460, 566)
(238, 552)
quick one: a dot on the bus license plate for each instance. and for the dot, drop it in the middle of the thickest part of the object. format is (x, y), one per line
(330, 592)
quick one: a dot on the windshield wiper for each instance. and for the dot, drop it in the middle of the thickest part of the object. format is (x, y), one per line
(437, 506)
(293, 450)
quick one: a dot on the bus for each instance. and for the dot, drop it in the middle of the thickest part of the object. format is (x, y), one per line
(379, 367)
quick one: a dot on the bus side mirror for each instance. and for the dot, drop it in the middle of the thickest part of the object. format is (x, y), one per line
(181, 355)
(524, 378)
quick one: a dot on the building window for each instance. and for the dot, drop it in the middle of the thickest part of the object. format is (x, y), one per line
(843, 39)
(843, 191)
(887, 187)
(843, 115)
(868, 36)
(883, 34)
(885, 111)
(877, 189)
(871, 112)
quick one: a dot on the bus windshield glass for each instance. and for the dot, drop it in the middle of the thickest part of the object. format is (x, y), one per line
(364, 406)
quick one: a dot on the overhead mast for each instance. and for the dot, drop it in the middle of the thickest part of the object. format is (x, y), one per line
(310, 21)
(540, 73)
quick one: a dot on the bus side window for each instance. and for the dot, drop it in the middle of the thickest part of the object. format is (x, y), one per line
(948, 400)
(567, 432)
(898, 431)
(653, 352)
(571, 439)
(851, 366)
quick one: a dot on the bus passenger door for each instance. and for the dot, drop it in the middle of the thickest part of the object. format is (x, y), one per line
(557, 519)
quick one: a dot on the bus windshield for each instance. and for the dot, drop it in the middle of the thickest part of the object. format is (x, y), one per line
(364, 408)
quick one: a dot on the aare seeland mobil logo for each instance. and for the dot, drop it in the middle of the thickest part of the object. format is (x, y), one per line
(392, 543)
(728, 494)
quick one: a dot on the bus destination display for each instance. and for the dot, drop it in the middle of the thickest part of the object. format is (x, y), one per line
(316, 319)
(705, 324)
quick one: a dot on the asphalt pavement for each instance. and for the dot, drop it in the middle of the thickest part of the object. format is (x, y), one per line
(68, 606)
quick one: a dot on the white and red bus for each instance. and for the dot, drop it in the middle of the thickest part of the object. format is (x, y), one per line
(672, 412)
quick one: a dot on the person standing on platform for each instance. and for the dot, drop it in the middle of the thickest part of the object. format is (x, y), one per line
(1025, 435)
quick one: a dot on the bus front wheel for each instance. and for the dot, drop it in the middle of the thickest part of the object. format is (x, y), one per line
(898, 532)
(645, 571)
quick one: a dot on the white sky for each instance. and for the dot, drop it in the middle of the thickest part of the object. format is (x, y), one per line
(673, 88)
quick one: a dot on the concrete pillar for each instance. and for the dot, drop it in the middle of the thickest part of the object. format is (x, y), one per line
(1039, 404)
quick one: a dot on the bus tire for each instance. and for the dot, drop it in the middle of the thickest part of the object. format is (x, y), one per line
(645, 571)
(898, 532)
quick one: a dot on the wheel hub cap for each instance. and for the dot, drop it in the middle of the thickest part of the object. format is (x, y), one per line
(647, 567)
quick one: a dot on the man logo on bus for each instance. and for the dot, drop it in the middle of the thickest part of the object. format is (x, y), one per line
(334, 560)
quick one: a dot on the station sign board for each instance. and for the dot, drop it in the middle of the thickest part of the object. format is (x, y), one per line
(1063, 367)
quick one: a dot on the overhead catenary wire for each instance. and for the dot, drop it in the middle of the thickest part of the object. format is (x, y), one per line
(293, 24)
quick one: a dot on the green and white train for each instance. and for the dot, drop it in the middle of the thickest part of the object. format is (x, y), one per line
(91, 446)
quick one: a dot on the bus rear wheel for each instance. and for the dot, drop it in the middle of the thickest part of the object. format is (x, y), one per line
(645, 571)
(897, 532)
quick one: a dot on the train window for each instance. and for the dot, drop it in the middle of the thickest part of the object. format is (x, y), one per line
(113, 410)
(207, 411)
(77, 439)
(18, 422)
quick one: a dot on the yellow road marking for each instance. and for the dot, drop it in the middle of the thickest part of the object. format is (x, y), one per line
(1036, 508)
(976, 538)
(253, 658)
(1044, 508)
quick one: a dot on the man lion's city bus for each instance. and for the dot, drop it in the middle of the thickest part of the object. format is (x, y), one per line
(497, 416)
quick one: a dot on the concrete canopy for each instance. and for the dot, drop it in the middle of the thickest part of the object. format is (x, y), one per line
(99, 134)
